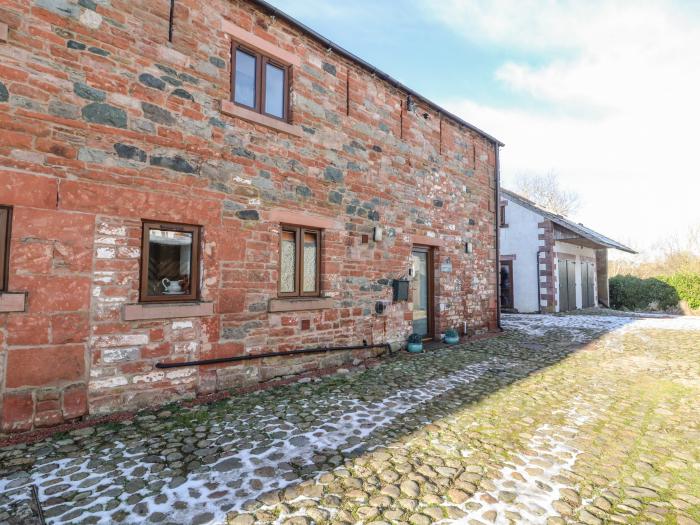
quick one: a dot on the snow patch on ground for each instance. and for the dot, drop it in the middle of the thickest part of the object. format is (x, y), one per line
(581, 326)
(530, 484)
(238, 475)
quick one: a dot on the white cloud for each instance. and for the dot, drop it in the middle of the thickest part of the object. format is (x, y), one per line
(622, 85)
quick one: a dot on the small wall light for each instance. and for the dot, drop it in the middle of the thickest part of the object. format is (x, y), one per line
(468, 247)
(378, 233)
(410, 104)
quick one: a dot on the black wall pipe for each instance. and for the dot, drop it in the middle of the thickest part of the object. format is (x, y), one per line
(319, 350)
(497, 177)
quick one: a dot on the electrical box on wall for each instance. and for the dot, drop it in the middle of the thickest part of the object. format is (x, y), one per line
(400, 290)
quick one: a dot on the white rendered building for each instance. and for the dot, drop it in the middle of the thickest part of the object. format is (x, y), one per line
(548, 262)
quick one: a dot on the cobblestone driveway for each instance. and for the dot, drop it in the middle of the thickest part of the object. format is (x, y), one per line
(564, 419)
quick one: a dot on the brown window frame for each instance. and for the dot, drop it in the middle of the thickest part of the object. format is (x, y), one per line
(149, 225)
(5, 231)
(299, 232)
(502, 213)
(261, 61)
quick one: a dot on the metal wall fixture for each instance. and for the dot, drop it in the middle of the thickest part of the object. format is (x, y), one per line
(248, 357)
(468, 247)
(378, 233)
(410, 104)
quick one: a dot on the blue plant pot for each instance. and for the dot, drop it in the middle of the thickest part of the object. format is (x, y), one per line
(415, 347)
(451, 340)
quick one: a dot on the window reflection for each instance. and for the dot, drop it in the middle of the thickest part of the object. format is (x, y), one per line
(245, 78)
(169, 262)
(274, 90)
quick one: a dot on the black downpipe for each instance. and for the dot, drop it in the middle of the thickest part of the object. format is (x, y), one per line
(497, 149)
(171, 20)
(537, 267)
(221, 360)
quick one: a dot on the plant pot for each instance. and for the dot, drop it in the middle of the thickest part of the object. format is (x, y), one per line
(451, 340)
(415, 347)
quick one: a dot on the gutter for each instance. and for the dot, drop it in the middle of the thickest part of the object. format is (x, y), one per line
(376, 72)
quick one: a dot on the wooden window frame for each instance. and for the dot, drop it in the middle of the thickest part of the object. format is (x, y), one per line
(261, 62)
(5, 231)
(299, 232)
(502, 215)
(149, 225)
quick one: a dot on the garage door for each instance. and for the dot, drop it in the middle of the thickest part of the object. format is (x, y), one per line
(587, 284)
(567, 285)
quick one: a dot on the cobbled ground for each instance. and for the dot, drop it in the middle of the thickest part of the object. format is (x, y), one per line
(589, 418)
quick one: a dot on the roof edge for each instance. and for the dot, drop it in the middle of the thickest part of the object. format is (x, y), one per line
(576, 228)
(372, 69)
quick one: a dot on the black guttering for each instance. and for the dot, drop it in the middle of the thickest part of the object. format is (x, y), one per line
(377, 72)
(497, 191)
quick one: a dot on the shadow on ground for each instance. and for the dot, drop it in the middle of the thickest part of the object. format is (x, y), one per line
(193, 465)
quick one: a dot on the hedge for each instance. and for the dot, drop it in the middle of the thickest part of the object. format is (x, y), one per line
(628, 292)
(687, 286)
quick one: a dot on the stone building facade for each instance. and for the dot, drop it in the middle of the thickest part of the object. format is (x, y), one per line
(115, 113)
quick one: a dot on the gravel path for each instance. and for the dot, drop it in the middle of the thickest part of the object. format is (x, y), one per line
(563, 419)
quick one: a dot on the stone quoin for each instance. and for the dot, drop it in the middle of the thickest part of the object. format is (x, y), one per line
(109, 127)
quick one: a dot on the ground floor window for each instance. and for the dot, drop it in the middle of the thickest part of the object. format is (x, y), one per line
(169, 262)
(300, 262)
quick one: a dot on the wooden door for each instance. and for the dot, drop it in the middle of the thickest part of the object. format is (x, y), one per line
(567, 285)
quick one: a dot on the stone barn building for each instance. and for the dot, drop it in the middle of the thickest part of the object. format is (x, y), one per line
(200, 180)
(548, 262)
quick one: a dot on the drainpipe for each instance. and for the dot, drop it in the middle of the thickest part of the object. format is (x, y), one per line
(221, 360)
(537, 271)
(497, 149)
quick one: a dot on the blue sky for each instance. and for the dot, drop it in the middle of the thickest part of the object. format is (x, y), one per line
(602, 92)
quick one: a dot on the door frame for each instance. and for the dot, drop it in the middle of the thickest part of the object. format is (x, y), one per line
(511, 294)
(429, 251)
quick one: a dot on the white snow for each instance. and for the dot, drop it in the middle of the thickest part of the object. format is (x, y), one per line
(344, 430)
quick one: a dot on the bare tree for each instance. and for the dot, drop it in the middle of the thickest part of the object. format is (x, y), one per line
(545, 191)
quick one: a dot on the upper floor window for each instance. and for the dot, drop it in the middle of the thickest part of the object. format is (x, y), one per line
(259, 83)
(300, 262)
(5, 227)
(169, 262)
(502, 217)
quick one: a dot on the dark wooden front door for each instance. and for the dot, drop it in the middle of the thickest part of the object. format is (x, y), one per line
(567, 285)
(507, 286)
(423, 321)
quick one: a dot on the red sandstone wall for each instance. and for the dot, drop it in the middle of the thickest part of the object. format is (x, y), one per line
(77, 80)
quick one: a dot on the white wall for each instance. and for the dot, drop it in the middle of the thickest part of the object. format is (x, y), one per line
(578, 251)
(520, 238)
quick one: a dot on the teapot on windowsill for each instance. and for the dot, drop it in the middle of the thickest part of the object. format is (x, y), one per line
(172, 287)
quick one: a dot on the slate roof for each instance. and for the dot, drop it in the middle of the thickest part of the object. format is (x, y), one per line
(576, 227)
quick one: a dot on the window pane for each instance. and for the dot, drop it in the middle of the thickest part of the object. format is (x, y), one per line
(169, 262)
(310, 259)
(245, 78)
(289, 263)
(274, 90)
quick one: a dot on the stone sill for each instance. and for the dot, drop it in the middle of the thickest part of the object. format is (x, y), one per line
(13, 301)
(299, 304)
(147, 311)
(4, 31)
(233, 110)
